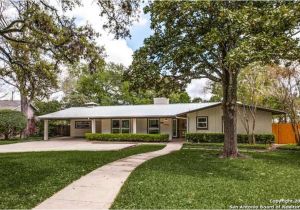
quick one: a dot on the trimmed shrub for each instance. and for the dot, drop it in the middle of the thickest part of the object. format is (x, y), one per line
(205, 137)
(11, 122)
(127, 137)
(219, 138)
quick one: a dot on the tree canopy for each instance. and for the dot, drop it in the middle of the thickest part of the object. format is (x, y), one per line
(37, 39)
(108, 86)
(215, 40)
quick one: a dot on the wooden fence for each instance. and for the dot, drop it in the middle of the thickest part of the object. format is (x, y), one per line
(284, 133)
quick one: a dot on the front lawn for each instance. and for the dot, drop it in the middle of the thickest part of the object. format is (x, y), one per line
(26, 179)
(198, 179)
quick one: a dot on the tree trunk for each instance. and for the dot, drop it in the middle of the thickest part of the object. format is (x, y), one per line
(24, 110)
(251, 138)
(6, 136)
(230, 114)
(296, 132)
(253, 115)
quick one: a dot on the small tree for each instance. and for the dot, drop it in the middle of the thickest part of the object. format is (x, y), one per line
(286, 88)
(252, 83)
(11, 122)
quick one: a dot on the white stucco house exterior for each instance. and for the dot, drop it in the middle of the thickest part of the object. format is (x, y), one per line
(160, 117)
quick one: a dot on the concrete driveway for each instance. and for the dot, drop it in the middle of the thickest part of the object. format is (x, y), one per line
(63, 144)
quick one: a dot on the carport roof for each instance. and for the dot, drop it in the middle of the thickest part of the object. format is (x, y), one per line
(118, 111)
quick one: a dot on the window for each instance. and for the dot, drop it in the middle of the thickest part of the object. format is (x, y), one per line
(153, 126)
(82, 124)
(174, 128)
(125, 126)
(115, 126)
(202, 122)
(120, 126)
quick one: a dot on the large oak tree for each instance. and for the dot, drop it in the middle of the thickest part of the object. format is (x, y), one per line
(37, 39)
(215, 40)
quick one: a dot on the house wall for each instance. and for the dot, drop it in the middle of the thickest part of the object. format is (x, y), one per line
(214, 114)
(75, 132)
(166, 126)
(98, 126)
(106, 126)
(141, 125)
(263, 122)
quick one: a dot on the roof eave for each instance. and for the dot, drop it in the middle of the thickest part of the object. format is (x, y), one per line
(198, 109)
(104, 117)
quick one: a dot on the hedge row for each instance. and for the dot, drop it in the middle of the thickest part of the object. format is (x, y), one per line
(219, 138)
(127, 137)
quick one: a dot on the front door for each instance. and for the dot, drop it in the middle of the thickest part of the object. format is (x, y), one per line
(174, 127)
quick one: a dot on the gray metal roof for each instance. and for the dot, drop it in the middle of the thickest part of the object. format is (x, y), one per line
(123, 111)
(151, 110)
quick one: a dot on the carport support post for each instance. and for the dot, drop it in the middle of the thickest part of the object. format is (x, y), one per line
(93, 125)
(133, 125)
(46, 130)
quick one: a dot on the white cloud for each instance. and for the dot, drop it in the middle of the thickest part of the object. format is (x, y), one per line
(142, 21)
(197, 88)
(116, 50)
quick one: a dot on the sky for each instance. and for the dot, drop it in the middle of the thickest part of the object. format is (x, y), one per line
(121, 51)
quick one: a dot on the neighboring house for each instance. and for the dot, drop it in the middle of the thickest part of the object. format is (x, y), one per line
(160, 117)
(16, 105)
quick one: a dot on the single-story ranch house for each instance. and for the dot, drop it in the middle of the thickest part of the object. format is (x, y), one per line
(160, 117)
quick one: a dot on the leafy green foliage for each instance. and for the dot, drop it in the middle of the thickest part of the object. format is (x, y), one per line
(181, 97)
(219, 137)
(127, 137)
(11, 122)
(108, 86)
(193, 179)
(214, 40)
(47, 107)
(29, 178)
(203, 39)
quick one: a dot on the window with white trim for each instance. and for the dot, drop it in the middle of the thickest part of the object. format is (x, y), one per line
(153, 126)
(120, 126)
(82, 124)
(202, 122)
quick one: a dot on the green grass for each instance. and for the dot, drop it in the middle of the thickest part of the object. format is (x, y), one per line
(18, 140)
(220, 146)
(26, 179)
(289, 147)
(198, 179)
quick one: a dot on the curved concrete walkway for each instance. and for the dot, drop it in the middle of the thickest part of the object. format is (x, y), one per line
(98, 189)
